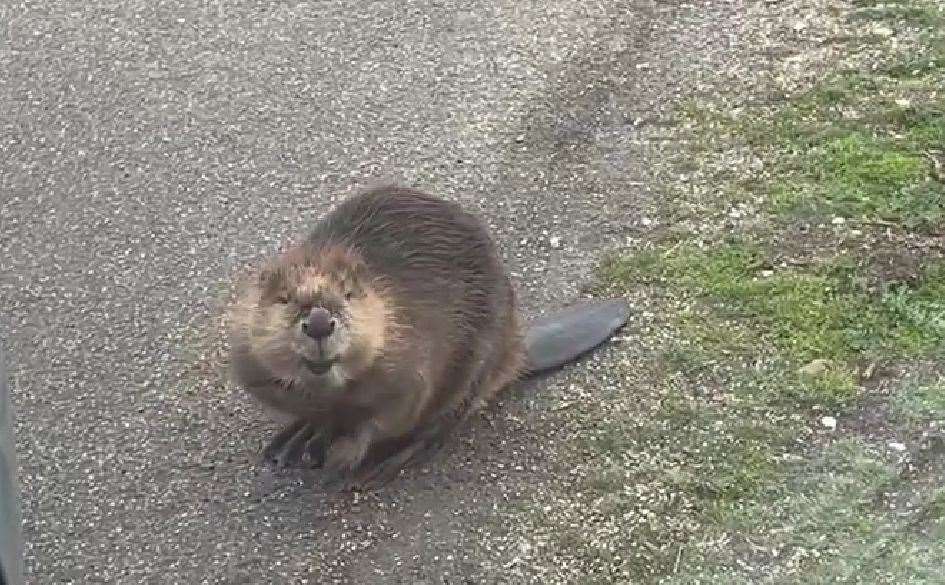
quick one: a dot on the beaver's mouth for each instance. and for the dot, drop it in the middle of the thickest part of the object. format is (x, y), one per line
(318, 367)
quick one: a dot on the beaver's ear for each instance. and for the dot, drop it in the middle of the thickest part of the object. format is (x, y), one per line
(348, 270)
(276, 270)
(356, 269)
(272, 278)
(352, 276)
(267, 274)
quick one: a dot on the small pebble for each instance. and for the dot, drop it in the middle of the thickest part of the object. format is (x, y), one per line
(815, 368)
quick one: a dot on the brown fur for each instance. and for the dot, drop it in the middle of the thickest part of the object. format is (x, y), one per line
(430, 321)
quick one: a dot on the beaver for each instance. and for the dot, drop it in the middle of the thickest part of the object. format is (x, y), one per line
(385, 327)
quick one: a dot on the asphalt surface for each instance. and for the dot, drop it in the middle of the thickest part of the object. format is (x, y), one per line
(149, 150)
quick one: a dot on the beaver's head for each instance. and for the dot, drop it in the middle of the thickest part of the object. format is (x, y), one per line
(314, 318)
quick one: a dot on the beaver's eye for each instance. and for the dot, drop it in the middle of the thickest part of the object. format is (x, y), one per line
(348, 296)
(282, 299)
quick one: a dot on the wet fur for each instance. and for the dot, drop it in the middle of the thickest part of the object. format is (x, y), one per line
(434, 329)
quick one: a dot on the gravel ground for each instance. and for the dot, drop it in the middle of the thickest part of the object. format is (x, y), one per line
(148, 150)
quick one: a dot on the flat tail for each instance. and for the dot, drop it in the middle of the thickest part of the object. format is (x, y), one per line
(561, 337)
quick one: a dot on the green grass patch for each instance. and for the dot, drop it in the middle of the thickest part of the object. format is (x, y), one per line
(841, 89)
(931, 62)
(920, 402)
(893, 552)
(863, 176)
(818, 519)
(852, 102)
(919, 313)
(862, 145)
(821, 522)
(912, 13)
(740, 309)
(716, 455)
(836, 387)
(711, 459)
(823, 313)
(736, 477)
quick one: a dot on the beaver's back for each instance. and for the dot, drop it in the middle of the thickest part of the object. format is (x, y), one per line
(438, 259)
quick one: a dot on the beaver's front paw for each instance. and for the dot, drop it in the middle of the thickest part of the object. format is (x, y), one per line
(342, 458)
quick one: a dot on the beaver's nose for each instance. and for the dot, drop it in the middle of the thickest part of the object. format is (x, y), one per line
(319, 324)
